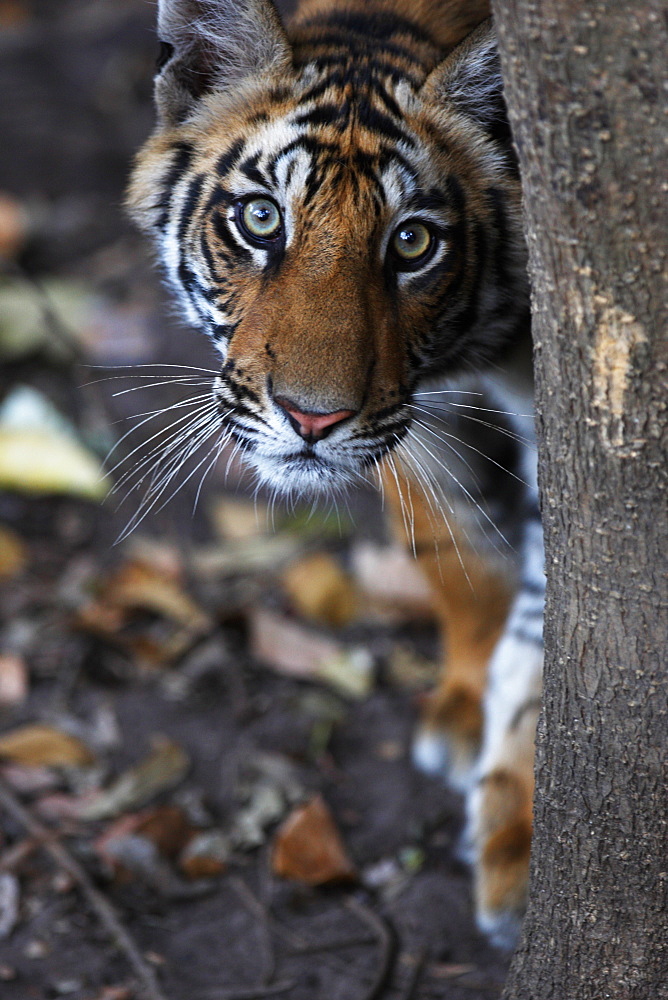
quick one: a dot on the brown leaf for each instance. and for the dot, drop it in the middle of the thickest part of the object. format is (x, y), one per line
(301, 652)
(114, 993)
(287, 646)
(164, 768)
(13, 215)
(391, 577)
(13, 679)
(168, 828)
(40, 744)
(308, 847)
(13, 554)
(206, 855)
(238, 519)
(139, 587)
(319, 589)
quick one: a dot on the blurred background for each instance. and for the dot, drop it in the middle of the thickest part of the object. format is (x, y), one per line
(208, 713)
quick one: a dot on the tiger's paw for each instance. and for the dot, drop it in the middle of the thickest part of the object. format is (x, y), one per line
(500, 828)
(448, 740)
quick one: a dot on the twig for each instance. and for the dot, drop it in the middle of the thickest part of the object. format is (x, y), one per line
(252, 994)
(95, 899)
(315, 947)
(415, 976)
(13, 857)
(259, 911)
(385, 939)
(297, 944)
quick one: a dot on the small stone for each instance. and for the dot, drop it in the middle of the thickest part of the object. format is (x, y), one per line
(66, 986)
(36, 949)
(154, 958)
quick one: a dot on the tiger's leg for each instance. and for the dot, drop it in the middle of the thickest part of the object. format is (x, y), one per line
(471, 597)
(500, 804)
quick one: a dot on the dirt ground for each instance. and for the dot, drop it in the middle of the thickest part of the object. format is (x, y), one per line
(169, 740)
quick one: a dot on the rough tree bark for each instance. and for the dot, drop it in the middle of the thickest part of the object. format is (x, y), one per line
(586, 90)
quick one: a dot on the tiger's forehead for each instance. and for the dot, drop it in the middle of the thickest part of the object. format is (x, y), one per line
(332, 150)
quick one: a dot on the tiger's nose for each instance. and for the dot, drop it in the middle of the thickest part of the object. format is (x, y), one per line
(312, 426)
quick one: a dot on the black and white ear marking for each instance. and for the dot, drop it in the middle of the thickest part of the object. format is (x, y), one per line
(469, 80)
(211, 44)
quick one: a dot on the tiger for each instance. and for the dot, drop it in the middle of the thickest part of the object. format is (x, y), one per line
(336, 204)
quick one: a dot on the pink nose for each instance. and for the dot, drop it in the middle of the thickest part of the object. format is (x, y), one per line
(313, 426)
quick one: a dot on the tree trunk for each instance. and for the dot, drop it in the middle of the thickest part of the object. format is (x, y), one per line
(587, 104)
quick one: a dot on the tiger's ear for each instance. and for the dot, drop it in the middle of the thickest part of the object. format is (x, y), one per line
(469, 81)
(211, 44)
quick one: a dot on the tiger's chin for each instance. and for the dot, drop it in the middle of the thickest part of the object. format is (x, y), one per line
(303, 475)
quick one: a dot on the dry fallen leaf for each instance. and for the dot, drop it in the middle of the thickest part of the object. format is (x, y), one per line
(38, 744)
(319, 589)
(13, 214)
(138, 588)
(410, 671)
(287, 646)
(40, 452)
(392, 578)
(13, 679)
(247, 556)
(168, 828)
(239, 519)
(268, 785)
(308, 847)
(44, 462)
(205, 855)
(300, 652)
(29, 780)
(115, 993)
(13, 553)
(164, 768)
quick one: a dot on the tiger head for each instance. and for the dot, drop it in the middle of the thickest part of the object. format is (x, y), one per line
(338, 209)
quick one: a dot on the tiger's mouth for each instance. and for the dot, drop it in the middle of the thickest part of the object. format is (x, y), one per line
(288, 463)
(319, 469)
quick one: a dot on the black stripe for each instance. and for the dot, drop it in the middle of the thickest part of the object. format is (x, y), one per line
(326, 114)
(223, 233)
(250, 169)
(189, 204)
(184, 153)
(533, 588)
(371, 118)
(228, 159)
(497, 200)
(364, 72)
(517, 632)
(206, 253)
(224, 331)
(381, 26)
(360, 46)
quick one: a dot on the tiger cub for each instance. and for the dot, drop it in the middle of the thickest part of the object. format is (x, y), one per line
(337, 206)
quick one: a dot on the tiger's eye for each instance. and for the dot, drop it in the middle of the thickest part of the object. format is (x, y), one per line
(411, 241)
(261, 218)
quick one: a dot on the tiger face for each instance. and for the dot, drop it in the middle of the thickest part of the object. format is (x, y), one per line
(339, 212)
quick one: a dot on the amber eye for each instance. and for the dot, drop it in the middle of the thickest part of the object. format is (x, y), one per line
(411, 242)
(259, 219)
